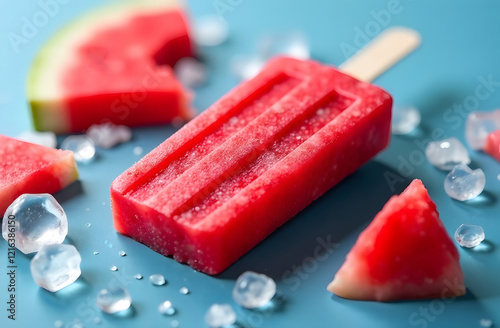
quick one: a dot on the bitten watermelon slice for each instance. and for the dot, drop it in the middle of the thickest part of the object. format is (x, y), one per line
(405, 253)
(112, 65)
(492, 146)
(30, 168)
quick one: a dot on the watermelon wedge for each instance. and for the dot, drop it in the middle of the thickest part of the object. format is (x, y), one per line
(112, 65)
(492, 146)
(28, 168)
(405, 253)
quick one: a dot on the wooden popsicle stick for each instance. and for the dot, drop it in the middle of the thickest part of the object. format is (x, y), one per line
(381, 53)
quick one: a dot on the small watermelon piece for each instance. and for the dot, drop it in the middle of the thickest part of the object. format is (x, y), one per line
(112, 65)
(405, 253)
(492, 146)
(28, 168)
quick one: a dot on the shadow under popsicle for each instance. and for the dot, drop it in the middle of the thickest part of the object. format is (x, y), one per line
(351, 204)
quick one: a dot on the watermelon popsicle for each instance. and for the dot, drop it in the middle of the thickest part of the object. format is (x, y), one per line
(250, 162)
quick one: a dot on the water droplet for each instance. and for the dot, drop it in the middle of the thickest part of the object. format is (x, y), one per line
(113, 268)
(166, 308)
(157, 279)
(113, 300)
(58, 324)
(138, 276)
(174, 324)
(184, 290)
(97, 320)
(122, 253)
(88, 225)
(138, 150)
(96, 253)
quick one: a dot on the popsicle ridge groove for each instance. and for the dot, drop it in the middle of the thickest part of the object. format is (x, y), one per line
(200, 180)
(259, 161)
(212, 136)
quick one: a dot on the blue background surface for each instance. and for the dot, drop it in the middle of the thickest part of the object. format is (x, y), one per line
(461, 45)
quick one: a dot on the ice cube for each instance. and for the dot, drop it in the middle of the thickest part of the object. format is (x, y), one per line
(253, 290)
(462, 183)
(220, 315)
(82, 147)
(34, 220)
(210, 30)
(108, 135)
(479, 125)
(113, 300)
(47, 139)
(405, 119)
(447, 153)
(190, 72)
(56, 266)
(469, 235)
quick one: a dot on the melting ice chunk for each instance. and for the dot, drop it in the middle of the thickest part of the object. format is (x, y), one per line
(462, 183)
(469, 235)
(479, 125)
(210, 30)
(82, 147)
(220, 315)
(253, 290)
(35, 220)
(56, 266)
(47, 139)
(113, 300)
(447, 153)
(405, 119)
(108, 135)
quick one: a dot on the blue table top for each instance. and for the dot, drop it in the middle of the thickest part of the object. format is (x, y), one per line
(460, 49)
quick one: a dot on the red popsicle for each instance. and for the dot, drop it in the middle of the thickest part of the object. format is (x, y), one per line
(250, 162)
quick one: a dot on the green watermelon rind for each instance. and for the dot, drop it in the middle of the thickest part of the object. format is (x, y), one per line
(59, 43)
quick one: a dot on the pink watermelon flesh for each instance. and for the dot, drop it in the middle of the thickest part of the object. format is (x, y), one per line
(492, 146)
(27, 168)
(250, 162)
(123, 75)
(405, 253)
